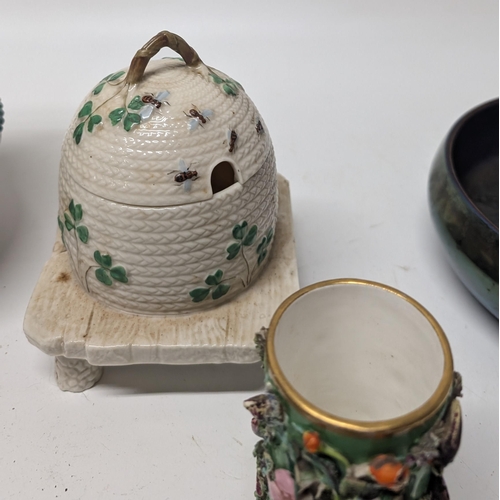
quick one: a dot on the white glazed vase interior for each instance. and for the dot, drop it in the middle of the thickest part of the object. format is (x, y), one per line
(359, 352)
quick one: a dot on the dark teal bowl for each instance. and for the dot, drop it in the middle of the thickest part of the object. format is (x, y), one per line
(463, 197)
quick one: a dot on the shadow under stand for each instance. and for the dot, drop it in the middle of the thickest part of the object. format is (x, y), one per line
(89, 336)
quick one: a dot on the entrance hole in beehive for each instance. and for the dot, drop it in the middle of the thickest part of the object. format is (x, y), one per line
(222, 176)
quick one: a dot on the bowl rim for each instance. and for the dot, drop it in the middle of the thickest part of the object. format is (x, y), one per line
(450, 142)
(361, 428)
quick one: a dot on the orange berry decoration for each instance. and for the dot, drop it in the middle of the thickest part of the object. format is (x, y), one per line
(388, 471)
(311, 441)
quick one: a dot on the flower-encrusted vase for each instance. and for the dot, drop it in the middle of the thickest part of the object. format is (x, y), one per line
(361, 398)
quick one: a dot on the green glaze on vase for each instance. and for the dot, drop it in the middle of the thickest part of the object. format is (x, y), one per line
(463, 198)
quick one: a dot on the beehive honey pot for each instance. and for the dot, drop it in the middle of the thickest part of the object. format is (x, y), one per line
(171, 247)
(167, 164)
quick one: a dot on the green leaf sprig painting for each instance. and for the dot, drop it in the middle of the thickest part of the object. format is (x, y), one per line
(126, 117)
(262, 248)
(216, 286)
(229, 86)
(90, 118)
(108, 79)
(105, 272)
(245, 237)
(73, 222)
(73, 219)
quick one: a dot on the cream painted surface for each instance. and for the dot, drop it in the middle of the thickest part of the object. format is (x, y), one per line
(169, 240)
(359, 352)
(169, 251)
(104, 336)
(136, 167)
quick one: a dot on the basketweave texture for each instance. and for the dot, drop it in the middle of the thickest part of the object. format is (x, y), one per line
(76, 375)
(169, 251)
(140, 241)
(135, 167)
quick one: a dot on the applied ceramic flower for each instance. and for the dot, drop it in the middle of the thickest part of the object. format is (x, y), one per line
(361, 397)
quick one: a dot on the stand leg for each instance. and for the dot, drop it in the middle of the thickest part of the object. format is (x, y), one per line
(76, 375)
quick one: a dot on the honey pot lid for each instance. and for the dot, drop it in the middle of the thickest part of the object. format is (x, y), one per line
(159, 133)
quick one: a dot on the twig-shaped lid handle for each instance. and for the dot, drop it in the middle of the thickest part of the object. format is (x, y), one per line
(150, 49)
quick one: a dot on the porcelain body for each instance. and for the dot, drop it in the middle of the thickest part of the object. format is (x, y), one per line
(361, 397)
(463, 197)
(151, 216)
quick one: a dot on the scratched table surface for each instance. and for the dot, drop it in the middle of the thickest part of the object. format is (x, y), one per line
(357, 97)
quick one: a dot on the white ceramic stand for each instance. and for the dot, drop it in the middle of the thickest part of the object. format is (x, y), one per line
(63, 321)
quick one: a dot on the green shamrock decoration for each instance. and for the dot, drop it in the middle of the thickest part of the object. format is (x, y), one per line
(88, 111)
(262, 248)
(213, 280)
(91, 119)
(229, 86)
(109, 78)
(129, 119)
(72, 221)
(105, 273)
(136, 103)
(244, 235)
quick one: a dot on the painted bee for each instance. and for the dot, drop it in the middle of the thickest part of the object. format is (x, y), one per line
(184, 175)
(152, 102)
(197, 117)
(259, 127)
(232, 137)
